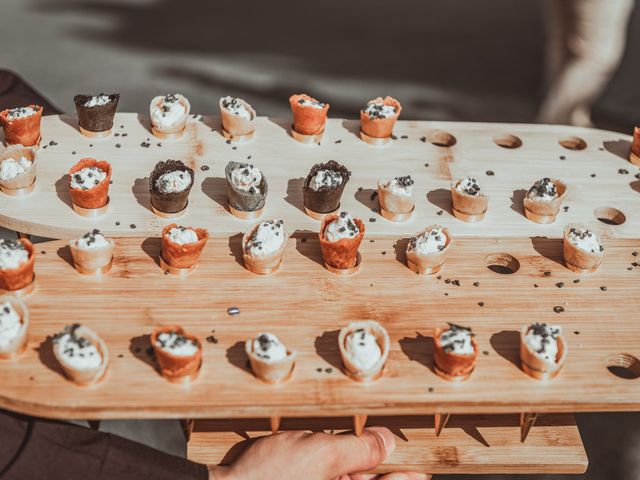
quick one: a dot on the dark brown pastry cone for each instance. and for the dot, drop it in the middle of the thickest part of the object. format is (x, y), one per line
(325, 199)
(99, 118)
(85, 377)
(382, 338)
(471, 207)
(432, 262)
(263, 264)
(169, 202)
(88, 260)
(545, 212)
(453, 366)
(380, 127)
(26, 179)
(172, 130)
(579, 260)
(342, 254)
(245, 201)
(271, 372)
(307, 120)
(22, 131)
(634, 155)
(393, 203)
(18, 278)
(175, 367)
(535, 366)
(183, 256)
(97, 196)
(235, 125)
(19, 343)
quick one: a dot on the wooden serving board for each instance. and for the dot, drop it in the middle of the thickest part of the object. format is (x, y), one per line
(305, 305)
(503, 174)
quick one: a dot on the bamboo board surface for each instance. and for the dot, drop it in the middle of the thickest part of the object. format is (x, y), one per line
(469, 444)
(305, 305)
(285, 162)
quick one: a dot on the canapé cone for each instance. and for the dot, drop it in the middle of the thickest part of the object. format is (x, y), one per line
(468, 207)
(307, 120)
(183, 256)
(169, 131)
(26, 179)
(85, 377)
(22, 131)
(634, 154)
(537, 367)
(18, 343)
(18, 278)
(392, 203)
(382, 338)
(577, 259)
(428, 263)
(342, 254)
(94, 259)
(545, 212)
(272, 372)
(450, 365)
(175, 367)
(380, 127)
(235, 125)
(95, 197)
(262, 264)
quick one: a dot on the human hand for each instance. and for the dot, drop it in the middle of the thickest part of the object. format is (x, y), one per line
(314, 456)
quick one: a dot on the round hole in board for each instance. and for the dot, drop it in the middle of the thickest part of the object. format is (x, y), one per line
(573, 143)
(610, 215)
(440, 138)
(502, 263)
(624, 365)
(507, 141)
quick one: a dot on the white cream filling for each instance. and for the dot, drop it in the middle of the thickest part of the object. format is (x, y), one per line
(176, 344)
(584, 239)
(12, 167)
(268, 348)
(91, 241)
(543, 190)
(428, 242)
(362, 348)
(325, 178)
(457, 340)
(542, 340)
(311, 103)
(12, 254)
(267, 238)
(235, 107)
(182, 235)
(173, 182)
(468, 186)
(246, 178)
(341, 227)
(169, 112)
(10, 325)
(78, 353)
(87, 178)
(21, 112)
(379, 110)
(97, 101)
(400, 186)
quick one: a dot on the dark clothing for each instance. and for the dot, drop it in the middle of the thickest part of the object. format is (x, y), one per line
(38, 449)
(15, 92)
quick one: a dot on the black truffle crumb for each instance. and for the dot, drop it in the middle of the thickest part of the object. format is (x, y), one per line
(565, 208)
(547, 274)
(562, 157)
(485, 352)
(233, 311)
(404, 137)
(212, 339)
(43, 252)
(328, 370)
(423, 139)
(430, 389)
(118, 145)
(623, 171)
(593, 175)
(372, 219)
(490, 173)
(603, 288)
(476, 284)
(393, 137)
(481, 304)
(535, 285)
(117, 224)
(560, 284)
(338, 141)
(558, 309)
(204, 168)
(577, 280)
(576, 332)
(635, 254)
(426, 165)
(133, 225)
(439, 212)
(120, 356)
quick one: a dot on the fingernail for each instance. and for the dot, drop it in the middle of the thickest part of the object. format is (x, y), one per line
(387, 438)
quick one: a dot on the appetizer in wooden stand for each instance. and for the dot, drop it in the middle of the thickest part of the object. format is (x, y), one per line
(179, 355)
(82, 354)
(96, 113)
(323, 188)
(181, 248)
(238, 119)
(92, 253)
(22, 125)
(582, 250)
(468, 202)
(168, 115)
(455, 352)
(544, 199)
(396, 198)
(17, 259)
(247, 190)
(14, 326)
(89, 181)
(18, 170)
(543, 350)
(427, 251)
(169, 185)
(309, 118)
(340, 237)
(378, 119)
(634, 153)
(263, 246)
(270, 359)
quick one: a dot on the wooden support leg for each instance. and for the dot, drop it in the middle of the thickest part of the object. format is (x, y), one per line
(275, 424)
(359, 421)
(526, 422)
(23, 235)
(440, 421)
(94, 424)
(187, 427)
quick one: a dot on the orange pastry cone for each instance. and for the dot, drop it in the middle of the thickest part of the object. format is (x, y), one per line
(22, 276)
(22, 131)
(176, 367)
(237, 125)
(545, 212)
(468, 208)
(18, 343)
(537, 367)
(380, 127)
(25, 179)
(308, 120)
(95, 197)
(183, 256)
(634, 155)
(451, 365)
(581, 260)
(342, 254)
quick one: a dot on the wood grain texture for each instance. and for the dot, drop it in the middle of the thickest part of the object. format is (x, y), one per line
(305, 305)
(285, 162)
(469, 444)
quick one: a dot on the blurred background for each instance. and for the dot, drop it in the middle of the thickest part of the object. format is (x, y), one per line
(555, 61)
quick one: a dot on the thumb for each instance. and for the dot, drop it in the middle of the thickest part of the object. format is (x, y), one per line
(353, 454)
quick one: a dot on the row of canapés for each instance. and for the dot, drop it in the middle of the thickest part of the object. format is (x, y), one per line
(363, 345)
(169, 113)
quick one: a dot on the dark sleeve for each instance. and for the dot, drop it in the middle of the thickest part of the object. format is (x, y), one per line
(33, 448)
(15, 92)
